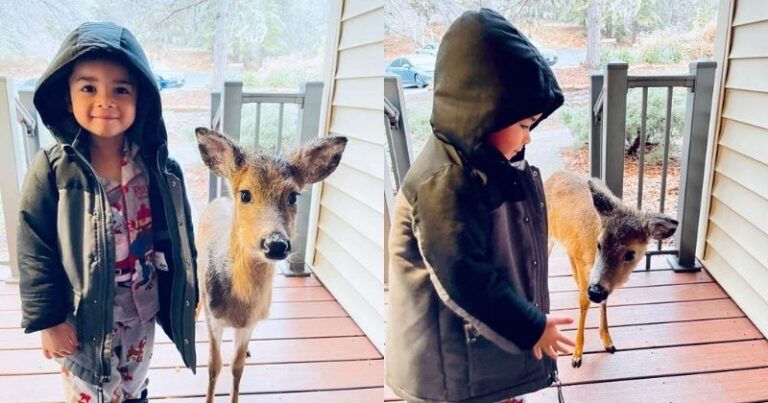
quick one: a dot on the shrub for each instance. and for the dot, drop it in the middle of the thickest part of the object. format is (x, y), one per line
(576, 117)
(661, 53)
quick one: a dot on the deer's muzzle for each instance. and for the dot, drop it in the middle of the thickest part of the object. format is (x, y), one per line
(276, 246)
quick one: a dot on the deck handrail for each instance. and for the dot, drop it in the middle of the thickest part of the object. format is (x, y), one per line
(608, 124)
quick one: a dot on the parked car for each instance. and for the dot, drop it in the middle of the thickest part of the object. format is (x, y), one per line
(549, 55)
(429, 49)
(167, 77)
(415, 70)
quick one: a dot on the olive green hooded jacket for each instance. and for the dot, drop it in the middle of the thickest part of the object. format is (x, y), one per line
(468, 288)
(66, 249)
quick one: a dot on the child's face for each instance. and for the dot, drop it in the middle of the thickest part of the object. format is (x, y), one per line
(103, 97)
(511, 139)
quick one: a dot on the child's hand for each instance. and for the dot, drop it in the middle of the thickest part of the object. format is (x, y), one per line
(59, 341)
(551, 341)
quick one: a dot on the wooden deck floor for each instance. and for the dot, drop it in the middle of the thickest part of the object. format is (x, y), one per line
(309, 350)
(680, 338)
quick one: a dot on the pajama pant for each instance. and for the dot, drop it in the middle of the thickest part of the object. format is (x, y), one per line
(132, 345)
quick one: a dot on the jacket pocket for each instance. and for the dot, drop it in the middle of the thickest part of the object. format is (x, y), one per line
(490, 368)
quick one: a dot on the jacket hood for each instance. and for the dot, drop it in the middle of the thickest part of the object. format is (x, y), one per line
(97, 39)
(488, 76)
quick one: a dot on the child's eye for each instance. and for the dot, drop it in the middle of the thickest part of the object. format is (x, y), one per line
(123, 90)
(88, 88)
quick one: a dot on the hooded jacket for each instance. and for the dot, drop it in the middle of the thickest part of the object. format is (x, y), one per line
(66, 248)
(468, 244)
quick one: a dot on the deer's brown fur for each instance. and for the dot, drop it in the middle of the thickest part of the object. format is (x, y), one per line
(239, 239)
(604, 240)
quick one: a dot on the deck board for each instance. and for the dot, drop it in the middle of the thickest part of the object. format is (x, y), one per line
(680, 338)
(309, 350)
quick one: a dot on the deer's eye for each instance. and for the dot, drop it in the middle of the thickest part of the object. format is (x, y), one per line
(629, 256)
(598, 246)
(245, 196)
(292, 198)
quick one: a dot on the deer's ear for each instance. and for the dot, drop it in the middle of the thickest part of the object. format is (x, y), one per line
(316, 160)
(605, 202)
(219, 153)
(659, 226)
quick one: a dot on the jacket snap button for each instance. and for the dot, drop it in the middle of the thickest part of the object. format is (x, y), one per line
(186, 341)
(95, 301)
(526, 219)
(94, 339)
(173, 184)
(187, 303)
(535, 262)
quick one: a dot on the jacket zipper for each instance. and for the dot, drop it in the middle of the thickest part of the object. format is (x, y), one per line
(104, 374)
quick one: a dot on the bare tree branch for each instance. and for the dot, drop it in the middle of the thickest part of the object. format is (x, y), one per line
(180, 9)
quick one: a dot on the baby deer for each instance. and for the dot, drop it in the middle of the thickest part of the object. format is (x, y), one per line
(604, 239)
(240, 239)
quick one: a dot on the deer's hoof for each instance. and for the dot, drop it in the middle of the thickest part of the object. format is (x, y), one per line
(611, 349)
(248, 354)
(576, 362)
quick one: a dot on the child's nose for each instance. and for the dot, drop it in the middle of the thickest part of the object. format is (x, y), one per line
(105, 101)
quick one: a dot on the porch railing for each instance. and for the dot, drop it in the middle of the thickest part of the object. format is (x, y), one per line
(18, 136)
(608, 125)
(226, 116)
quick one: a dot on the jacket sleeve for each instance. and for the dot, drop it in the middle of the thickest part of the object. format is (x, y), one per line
(452, 227)
(43, 283)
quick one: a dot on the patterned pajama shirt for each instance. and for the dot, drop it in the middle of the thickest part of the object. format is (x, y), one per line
(136, 297)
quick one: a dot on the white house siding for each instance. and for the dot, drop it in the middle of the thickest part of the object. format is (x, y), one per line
(736, 239)
(349, 243)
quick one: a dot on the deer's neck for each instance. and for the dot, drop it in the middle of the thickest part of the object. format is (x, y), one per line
(250, 275)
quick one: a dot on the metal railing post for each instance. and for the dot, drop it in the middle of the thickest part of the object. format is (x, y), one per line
(32, 138)
(614, 126)
(308, 128)
(400, 149)
(595, 145)
(11, 175)
(697, 113)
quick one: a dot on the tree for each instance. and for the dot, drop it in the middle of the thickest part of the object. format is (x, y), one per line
(593, 34)
(220, 46)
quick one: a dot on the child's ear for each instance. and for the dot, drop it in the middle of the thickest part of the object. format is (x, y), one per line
(315, 161)
(219, 153)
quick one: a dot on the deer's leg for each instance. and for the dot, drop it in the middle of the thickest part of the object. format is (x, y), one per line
(242, 336)
(214, 358)
(604, 335)
(580, 275)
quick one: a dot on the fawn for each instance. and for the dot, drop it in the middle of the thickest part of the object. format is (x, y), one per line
(239, 240)
(604, 239)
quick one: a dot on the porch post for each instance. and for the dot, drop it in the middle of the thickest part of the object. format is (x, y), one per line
(697, 112)
(614, 126)
(213, 180)
(308, 128)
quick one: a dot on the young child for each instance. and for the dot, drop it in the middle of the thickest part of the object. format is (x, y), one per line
(468, 244)
(105, 235)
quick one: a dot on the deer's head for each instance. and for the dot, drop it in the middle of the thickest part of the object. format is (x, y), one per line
(623, 240)
(265, 188)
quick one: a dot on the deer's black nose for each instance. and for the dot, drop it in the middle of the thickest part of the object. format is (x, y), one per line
(275, 246)
(597, 293)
